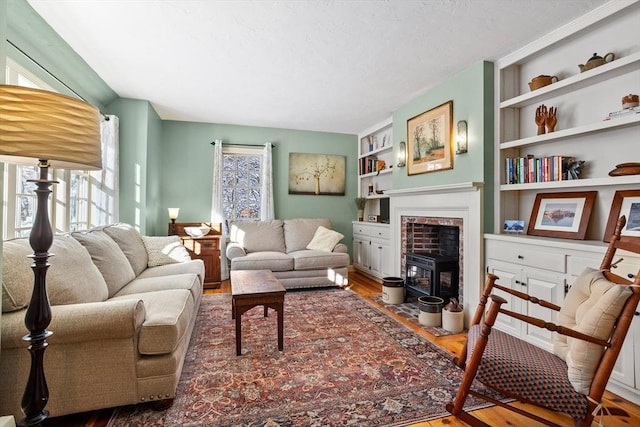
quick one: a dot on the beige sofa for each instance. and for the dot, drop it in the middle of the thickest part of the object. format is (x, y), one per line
(123, 309)
(301, 252)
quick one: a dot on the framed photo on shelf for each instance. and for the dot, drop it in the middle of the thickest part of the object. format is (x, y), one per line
(562, 215)
(429, 141)
(627, 203)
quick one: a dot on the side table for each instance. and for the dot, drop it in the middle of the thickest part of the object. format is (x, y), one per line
(206, 248)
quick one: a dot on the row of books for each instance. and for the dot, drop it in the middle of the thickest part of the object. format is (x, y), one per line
(522, 170)
(370, 164)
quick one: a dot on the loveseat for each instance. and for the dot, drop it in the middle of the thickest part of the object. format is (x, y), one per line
(123, 309)
(301, 252)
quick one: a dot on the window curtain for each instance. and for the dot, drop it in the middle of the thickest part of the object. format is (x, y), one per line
(104, 182)
(217, 215)
(266, 181)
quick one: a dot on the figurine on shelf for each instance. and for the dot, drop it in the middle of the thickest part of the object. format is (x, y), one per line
(574, 169)
(546, 118)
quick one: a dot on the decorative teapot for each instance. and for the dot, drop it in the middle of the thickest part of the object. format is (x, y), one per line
(541, 81)
(596, 61)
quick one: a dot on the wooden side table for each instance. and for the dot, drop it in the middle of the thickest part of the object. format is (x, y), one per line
(206, 248)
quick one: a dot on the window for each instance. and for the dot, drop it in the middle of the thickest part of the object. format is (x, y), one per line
(241, 184)
(82, 199)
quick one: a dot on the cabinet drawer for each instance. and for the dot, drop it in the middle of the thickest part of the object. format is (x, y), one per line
(627, 268)
(529, 256)
(361, 229)
(380, 232)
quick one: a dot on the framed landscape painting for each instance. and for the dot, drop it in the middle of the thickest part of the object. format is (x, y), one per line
(317, 174)
(429, 142)
(563, 215)
(627, 203)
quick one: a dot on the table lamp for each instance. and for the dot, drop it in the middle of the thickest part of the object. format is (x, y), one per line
(49, 129)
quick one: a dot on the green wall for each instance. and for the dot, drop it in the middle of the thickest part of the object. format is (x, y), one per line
(471, 91)
(187, 170)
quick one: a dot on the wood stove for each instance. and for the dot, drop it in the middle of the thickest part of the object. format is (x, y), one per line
(432, 274)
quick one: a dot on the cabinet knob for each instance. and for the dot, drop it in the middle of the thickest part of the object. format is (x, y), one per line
(520, 257)
(631, 275)
(637, 313)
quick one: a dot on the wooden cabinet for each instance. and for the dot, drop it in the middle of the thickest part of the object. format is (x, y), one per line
(372, 249)
(375, 164)
(546, 268)
(206, 248)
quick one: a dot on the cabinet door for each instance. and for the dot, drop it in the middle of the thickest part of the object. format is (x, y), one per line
(360, 252)
(546, 286)
(509, 277)
(380, 258)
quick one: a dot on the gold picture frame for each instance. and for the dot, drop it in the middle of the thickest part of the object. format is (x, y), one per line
(429, 140)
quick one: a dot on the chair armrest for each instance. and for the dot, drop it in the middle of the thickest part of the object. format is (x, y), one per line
(235, 250)
(80, 322)
(341, 248)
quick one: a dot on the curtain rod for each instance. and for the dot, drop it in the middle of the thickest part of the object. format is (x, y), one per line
(245, 145)
(54, 76)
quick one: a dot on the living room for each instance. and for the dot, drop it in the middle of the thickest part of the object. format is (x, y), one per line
(169, 163)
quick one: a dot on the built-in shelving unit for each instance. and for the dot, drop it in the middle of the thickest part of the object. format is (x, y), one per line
(375, 164)
(583, 101)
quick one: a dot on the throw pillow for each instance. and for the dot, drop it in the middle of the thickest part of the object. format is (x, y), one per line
(591, 306)
(164, 250)
(324, 239)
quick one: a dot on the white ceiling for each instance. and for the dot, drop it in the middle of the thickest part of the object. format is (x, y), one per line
(325, 65)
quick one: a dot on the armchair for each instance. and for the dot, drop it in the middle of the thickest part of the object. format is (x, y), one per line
(589, 332)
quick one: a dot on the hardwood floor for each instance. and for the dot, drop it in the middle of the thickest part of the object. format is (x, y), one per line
(494, 416)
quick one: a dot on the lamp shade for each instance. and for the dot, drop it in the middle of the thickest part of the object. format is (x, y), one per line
(37, 124)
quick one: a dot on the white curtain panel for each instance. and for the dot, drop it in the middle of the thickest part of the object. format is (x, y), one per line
(104, 182)
(217, 214)
(266, 180)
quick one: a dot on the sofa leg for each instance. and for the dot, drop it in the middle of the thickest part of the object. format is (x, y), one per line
(161, 405)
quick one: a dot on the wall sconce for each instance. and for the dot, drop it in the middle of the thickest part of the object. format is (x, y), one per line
(462, 139)
(173, 215)
(402, 154)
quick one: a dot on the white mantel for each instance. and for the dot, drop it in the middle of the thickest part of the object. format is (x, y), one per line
(463, 200)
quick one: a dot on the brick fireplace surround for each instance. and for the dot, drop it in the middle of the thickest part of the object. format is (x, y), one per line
(457, 205)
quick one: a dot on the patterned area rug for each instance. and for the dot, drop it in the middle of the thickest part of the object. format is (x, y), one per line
(409, 310)
(344, 362)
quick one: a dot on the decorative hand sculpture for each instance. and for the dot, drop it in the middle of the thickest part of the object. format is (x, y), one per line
(551, 120)
(541, 117)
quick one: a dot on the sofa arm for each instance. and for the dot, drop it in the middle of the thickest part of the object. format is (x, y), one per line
(235, 250)
(80, 322)
(341, 248)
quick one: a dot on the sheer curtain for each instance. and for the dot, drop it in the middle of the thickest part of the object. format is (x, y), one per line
(266, 182)
(104, 182)
(217, 214)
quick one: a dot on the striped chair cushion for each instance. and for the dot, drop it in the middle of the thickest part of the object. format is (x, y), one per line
(513, 366)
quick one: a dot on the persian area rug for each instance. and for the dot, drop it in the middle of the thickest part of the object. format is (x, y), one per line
(345, 362)
(409, 310)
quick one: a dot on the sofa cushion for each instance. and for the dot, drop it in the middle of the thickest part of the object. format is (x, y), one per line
(71, 278)
(188, 281)
(309, 259)
(258, 236)
(130, 242)
(591, 306)
(325, 239)
(168, 314)
(267, 260)
(195, 266)
(162, 250)
(107, 256)
(299, 232)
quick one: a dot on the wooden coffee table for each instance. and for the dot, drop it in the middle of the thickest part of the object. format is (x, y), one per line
(251, 288)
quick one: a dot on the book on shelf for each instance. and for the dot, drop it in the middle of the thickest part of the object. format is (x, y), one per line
(623, 113)
(530, 169)
(368, 164)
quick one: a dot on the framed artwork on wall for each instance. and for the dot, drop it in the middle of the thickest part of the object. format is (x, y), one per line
(317, 174)
(562, 215)
(429, 141)
(627, 203)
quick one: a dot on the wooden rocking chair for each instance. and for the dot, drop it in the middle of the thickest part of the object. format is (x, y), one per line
(573, 378)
